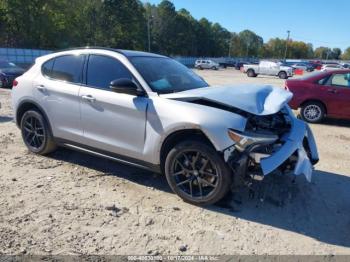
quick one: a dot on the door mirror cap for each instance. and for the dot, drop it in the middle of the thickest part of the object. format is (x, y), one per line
(125, 86)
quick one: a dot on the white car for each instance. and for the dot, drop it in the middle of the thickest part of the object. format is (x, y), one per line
(268, 68)
(327, 67)
(150, 111)
(206, 64)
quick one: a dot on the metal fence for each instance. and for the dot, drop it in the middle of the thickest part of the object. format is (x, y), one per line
(21, 56)
(27, 57)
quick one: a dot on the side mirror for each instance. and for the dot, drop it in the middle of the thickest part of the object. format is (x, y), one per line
(125, 86)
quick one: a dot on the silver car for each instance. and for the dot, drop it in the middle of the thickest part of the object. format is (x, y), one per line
(206, 64)
(152, 112)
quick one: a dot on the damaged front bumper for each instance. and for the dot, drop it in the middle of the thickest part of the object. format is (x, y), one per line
(295, 153)
(301, 141)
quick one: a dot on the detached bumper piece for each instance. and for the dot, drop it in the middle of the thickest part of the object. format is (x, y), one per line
(298, 142)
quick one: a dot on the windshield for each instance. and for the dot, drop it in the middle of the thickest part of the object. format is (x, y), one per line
(5, 64)
(165, 75)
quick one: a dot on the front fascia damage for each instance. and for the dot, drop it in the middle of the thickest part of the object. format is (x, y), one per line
(297, 150)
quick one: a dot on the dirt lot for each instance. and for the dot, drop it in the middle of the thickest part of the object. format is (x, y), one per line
(72, 203)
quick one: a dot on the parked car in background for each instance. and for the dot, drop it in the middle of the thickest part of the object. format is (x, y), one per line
(228, 63)
(268, 68)
(321, 94)
(303, 66)
(206, 64)
(240, 64)
(327, 67)
(317, 65)
(8, 72)
(151, 111)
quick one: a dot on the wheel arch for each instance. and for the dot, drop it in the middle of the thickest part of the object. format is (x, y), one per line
(180, 135)
(282, 71)
(26, 105)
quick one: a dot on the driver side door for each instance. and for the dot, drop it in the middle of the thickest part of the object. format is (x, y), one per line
(112, 122)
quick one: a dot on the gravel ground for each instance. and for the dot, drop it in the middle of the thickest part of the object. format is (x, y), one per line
(72, 203)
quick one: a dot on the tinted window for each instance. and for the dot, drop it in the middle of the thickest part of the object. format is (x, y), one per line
(103, 69)
(68, 68)
(342, 80)
(47, 68)
(323, 80)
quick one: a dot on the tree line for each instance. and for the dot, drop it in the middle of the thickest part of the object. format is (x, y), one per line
(130, 24)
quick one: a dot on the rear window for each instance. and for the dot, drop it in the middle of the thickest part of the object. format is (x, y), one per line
(65, 68)
(47, 68)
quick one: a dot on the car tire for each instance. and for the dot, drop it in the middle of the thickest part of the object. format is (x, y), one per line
(197, 173)
(312, 112)
(251, 73)
(282, 75)
(36, 133)
(214, 68)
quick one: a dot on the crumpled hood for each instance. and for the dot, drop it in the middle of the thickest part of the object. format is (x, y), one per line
(255, 99)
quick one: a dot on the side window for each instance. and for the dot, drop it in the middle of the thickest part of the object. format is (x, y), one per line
(342, 80)
(46, 68)
(103, 69)
(323, 81)
(68, 68)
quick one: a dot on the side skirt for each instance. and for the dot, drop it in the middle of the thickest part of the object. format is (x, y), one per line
(109, 155)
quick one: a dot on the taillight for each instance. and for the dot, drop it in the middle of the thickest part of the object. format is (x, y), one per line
(14, 83)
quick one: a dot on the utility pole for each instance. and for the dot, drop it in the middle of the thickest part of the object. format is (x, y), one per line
(248, 44)
(285, 51)
(149, 17)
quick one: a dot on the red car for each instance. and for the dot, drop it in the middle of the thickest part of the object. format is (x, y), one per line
(321, 94)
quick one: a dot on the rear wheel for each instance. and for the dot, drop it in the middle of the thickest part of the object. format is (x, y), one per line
(36, 133)
(312, 112)
(282, 75)
(197, 173)
(251, 73)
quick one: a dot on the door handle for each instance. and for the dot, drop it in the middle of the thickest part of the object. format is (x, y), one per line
(88, 98)
(333, 91)
(41, 88)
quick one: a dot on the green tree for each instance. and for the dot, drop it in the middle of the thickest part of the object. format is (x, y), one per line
(346, 54)
(336, 53)
(251, 43)
(322, 52)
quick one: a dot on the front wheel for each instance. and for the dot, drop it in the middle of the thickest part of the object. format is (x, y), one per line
(36, 133)
(312, 112)
(197, 173)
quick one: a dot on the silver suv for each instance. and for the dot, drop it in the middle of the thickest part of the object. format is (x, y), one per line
(206, 64)
(152, 112)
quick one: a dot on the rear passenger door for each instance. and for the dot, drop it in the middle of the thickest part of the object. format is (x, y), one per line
(57, 89)
(112, 122)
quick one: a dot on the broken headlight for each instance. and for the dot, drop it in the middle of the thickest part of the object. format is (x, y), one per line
(246, 140)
